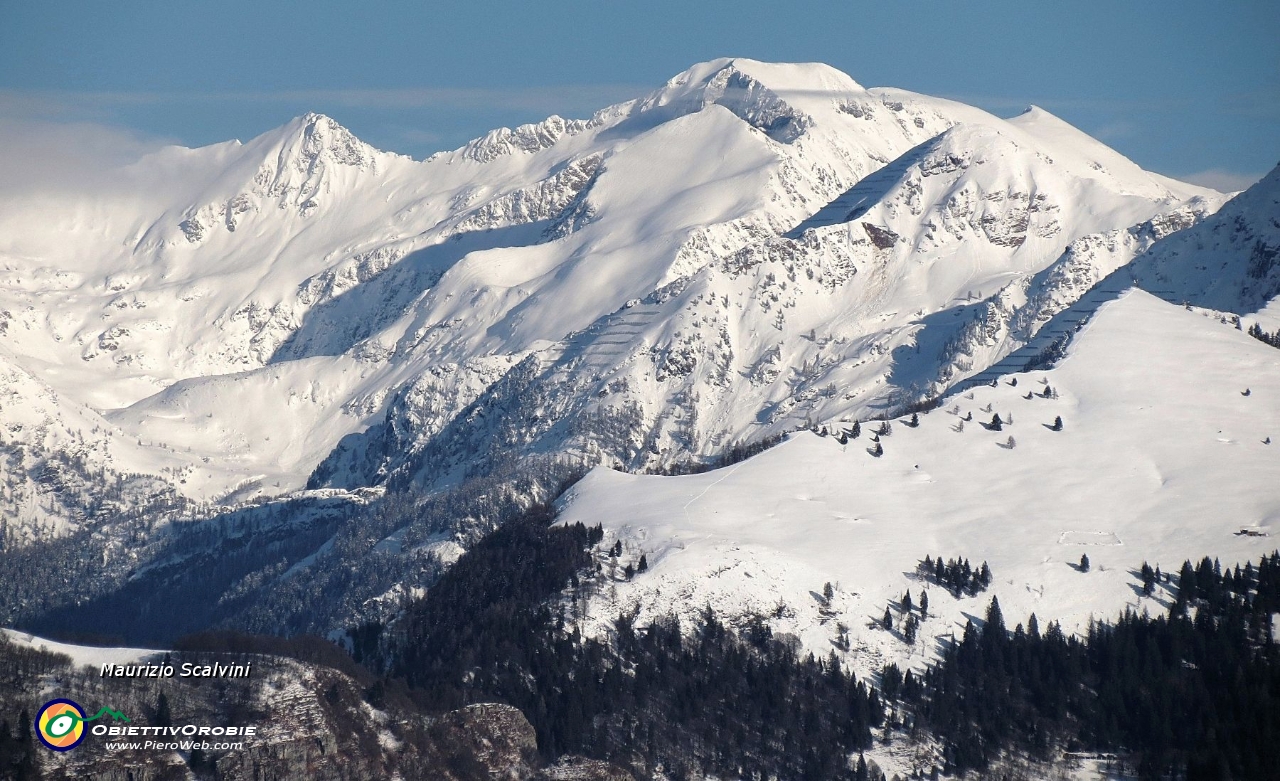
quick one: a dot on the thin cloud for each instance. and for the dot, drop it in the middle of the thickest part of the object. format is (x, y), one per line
(567, 97)
(1222, 180)
(40, 155)
(1113, 131)
(1256, 104)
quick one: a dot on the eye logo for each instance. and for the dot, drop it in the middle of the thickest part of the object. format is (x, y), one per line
(60, 723)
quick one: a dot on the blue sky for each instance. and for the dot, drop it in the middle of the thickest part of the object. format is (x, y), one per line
(1191, 89)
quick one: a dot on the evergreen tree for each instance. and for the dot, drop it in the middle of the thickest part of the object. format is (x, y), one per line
(27, 768)
(1084, 562)
(906, 601)
(1148, 579)
(924, 604)
(996, 424)
(643, 566)
(827, 592)
(1057, 423)
(163, 717)
(1187, 583)
(856, 431)
(888, 619)
(909, 629)
(995, 619)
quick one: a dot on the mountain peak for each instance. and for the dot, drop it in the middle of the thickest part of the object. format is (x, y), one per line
(777, 98)
(307, 138)
(779, 77)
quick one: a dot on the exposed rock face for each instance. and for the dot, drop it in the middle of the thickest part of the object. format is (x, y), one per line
(312, 722)
(496, 737)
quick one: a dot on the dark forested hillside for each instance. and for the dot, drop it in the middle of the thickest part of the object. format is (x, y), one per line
(1192, 694)
(703, 699)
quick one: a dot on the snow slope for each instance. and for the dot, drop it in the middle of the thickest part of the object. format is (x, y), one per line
(1162, 459)
(82, 655)
(870, 303)
(1230, 262)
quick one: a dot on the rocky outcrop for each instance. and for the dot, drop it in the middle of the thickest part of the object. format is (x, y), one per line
(311, 722)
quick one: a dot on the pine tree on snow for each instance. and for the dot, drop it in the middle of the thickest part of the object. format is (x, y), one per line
(995, 618)
(1148, 579)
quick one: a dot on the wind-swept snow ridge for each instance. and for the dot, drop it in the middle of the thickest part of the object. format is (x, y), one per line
(1147, 467)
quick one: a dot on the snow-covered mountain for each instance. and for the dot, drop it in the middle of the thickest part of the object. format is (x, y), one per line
(1161, 458)
(744, 251)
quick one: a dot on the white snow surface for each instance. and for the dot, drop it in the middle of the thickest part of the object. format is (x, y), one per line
(82, 655)
(1161, 459)
(220, 318)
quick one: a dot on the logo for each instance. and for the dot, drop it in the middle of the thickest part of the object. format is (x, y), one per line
(60, 723)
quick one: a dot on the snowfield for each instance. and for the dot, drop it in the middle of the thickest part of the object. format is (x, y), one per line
(1161, 458)
(83, 655)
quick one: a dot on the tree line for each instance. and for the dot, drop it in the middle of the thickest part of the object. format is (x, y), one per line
(1192, 694)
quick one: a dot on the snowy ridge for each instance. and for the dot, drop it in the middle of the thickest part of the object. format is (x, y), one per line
(830, 321)
(1146, 468)
(1231, 262)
